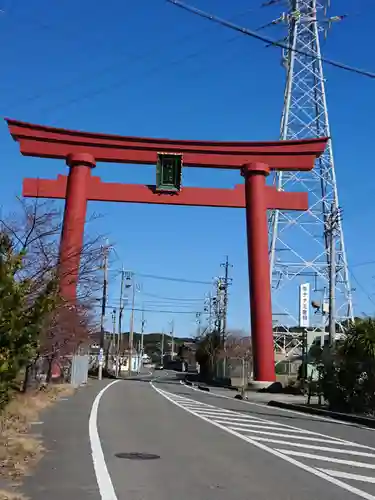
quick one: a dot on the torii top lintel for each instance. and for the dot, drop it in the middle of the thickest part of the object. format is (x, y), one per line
(51, 142)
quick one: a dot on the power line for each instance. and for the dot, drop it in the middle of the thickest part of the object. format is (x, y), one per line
(155, 310)
(366, 263)
(368, 295)
(167, 304)
(169, 278)
(266, 39)
(133, 57)
(172, 298)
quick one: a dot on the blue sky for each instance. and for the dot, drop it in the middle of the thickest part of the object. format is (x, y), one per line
(127, 67)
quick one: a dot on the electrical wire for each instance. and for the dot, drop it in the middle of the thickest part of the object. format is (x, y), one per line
(172, 298)
(153, 310)
(368, 295)
(366, 263)
(169, 278)
(168, 304)
(108, 68)
(266, 39)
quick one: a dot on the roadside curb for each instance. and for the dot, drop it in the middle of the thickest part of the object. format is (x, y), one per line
(355, 419)
(203, 388)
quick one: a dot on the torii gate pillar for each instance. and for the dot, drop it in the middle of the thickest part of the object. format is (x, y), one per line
(80, 165)
(259, 274)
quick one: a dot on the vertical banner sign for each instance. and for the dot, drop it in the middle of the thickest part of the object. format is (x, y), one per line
(304, 305)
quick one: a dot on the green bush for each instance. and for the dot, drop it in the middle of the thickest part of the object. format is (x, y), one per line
(348, 380)
(23, 310)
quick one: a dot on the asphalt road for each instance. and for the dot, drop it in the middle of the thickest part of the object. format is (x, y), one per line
(154, 438)
(207, 447)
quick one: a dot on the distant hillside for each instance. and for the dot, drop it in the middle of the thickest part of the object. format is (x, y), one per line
(151, 338)
(151, 342)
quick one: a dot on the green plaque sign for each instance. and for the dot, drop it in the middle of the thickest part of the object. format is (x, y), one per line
(168, 172)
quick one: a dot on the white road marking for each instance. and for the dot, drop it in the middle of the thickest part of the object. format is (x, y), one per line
(351, 463)
(250, 436)
(251, 426)
(103, 478)
(275, 408)
(347, 475)
(283, 435)
(234, 419)
(318, 448)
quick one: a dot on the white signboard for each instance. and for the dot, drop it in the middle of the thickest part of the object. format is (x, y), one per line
(101, 356)
(304, 305)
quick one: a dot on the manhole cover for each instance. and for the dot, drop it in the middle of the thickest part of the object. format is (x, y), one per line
(137, 456)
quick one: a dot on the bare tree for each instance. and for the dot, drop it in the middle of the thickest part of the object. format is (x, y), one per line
(69, 329)
(207, 353)
(238, 353)
(35, 231)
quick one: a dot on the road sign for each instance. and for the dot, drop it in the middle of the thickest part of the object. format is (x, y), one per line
(304, 305)
(101, 356)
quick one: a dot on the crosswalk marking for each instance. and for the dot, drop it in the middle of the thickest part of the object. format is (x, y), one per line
(318, 448)
(283, 435)
(296, 443)
(229, 419)
(348, 475)
(351, 463)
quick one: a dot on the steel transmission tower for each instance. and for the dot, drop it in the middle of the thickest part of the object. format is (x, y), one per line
(299, 242)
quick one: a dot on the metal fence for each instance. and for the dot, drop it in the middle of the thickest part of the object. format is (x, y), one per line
(79, 369)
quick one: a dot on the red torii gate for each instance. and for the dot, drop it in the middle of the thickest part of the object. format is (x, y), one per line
(81, 151)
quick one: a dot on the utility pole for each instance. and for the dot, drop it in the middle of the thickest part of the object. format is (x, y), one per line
(208, 309)
(104, 305)
(162, 349)
(172, 339)
(114, 342)
(222, 292)
(218, 308)
(114, 336)
(198, 322)
(218, 321)
(226, 282)
(121, 310)
(131, 330)
(333, 224)
(143, 322)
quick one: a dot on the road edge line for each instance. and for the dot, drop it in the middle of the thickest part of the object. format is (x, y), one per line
(103, 477)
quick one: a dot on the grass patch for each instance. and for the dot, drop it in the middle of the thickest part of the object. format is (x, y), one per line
(9, 495)
(19, 449)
